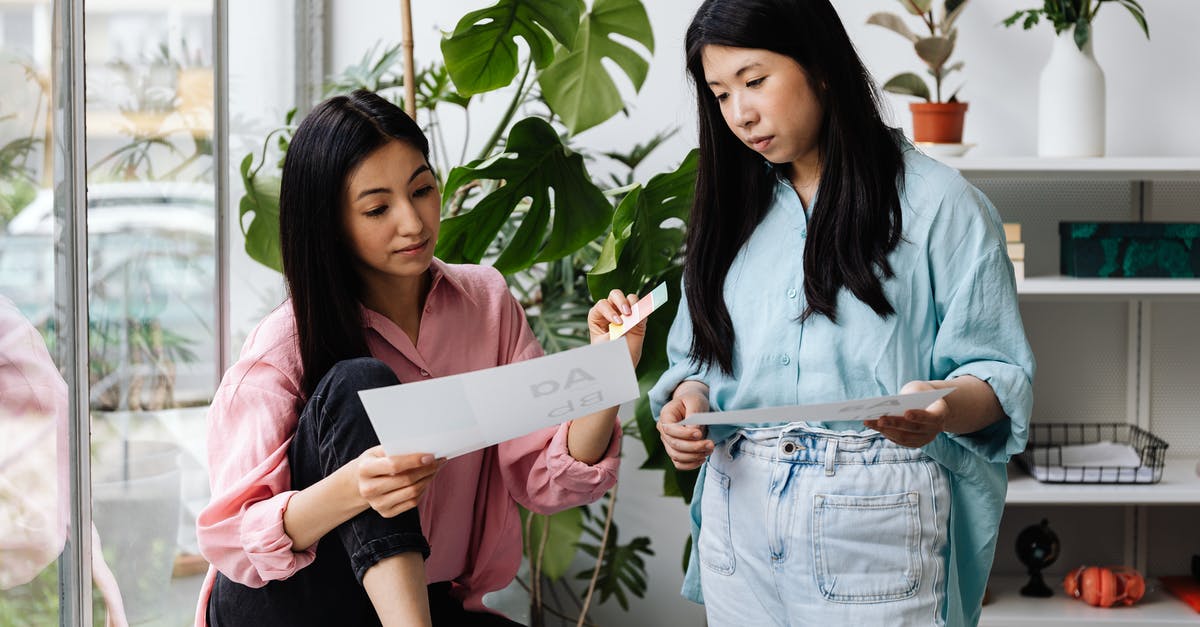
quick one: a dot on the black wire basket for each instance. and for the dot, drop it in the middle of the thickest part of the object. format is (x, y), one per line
(1046, 440)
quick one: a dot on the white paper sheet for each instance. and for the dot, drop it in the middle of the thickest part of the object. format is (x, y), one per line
(1100, 454)
(458, 414)
(861, 409)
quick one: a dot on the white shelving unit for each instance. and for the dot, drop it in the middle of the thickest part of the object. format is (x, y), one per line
(1009, 609)
(1038, 193)
(1179, 486)
(1066, 288)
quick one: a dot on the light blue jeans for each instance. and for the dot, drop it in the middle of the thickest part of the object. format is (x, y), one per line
(806, 526)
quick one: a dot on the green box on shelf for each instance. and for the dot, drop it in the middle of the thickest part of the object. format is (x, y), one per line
(1130, 249)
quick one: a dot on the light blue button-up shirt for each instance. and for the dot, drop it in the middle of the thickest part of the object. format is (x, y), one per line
(956, 314)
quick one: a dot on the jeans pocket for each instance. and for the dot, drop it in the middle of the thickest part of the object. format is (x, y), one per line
(715, 545)
(866, 548)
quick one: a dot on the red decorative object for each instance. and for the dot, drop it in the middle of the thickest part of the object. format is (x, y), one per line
(1185, 587)
(1103, 586)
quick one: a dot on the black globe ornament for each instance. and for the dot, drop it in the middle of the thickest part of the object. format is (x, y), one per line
(1037, 548)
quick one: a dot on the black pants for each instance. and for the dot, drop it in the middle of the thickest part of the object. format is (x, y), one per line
(333, 429)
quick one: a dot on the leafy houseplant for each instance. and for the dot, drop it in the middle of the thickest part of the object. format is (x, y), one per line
(935, 120)
(1071, 90)
(1077, 14)
(528, 205)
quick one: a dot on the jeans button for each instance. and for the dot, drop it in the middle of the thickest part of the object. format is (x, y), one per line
(789, 448)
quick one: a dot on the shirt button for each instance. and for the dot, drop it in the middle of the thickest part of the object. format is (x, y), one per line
(803, 234)
(424, 373)
(785, 360)
(791, 292)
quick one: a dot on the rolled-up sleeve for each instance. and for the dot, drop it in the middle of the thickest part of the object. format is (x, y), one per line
(538, 470)
(980, 331)
(251, 423)
(680, 366)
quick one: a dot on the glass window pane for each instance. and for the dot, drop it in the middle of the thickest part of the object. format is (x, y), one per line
(33, 394)
(151, 290)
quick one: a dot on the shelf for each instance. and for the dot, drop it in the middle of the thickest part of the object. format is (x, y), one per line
(1096, 169)
(1009, 609)
(1179, 486)
(1065, 287)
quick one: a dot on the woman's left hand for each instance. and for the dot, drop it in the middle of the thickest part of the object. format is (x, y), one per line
(611, 310)
(917, 427)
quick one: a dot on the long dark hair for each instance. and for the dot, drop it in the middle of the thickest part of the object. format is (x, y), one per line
(317, 262)
(856, 220)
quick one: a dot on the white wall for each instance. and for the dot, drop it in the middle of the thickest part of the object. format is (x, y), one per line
(1153, 91)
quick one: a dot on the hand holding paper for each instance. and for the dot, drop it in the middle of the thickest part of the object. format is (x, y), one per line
(453, 415)
(917, 426)
(864, 409)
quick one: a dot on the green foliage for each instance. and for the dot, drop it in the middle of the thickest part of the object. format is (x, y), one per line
(535, 163)
(17, 185)
(577, 86)
(481, 53)
(622, 568)
(933, 49)
(553, 540)
(36, 603)
(1064, 14)
(261, 203)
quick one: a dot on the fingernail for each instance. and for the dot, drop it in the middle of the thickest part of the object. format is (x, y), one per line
(426, 460)
(625, 309)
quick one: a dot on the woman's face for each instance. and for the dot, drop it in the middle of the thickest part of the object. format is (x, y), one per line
(391, 213)
(766, 100)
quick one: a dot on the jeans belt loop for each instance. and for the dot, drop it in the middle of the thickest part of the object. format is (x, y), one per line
(731, 447)
(831, 447)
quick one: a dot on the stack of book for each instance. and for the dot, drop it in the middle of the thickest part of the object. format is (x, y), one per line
(1016, 249)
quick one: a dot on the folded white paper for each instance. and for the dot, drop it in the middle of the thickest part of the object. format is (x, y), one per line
(458, 414)
(1100, 454)
(861, 409)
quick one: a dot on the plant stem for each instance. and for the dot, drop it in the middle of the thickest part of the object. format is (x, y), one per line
(508, 115)
(587, 600)
(537, 566)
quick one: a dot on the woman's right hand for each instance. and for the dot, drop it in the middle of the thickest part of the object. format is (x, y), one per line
(392, 484)
(687, 446)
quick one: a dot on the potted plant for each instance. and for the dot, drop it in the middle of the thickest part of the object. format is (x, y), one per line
(936, 120)
(1071, 90)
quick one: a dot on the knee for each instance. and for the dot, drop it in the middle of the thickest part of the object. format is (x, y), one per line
(353, 375)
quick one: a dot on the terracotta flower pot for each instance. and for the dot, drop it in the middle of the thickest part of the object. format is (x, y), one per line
(938, 122)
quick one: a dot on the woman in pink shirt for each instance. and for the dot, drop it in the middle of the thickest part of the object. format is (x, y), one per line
(293, 459)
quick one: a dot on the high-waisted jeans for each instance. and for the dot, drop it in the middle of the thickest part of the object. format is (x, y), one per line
(806, 526)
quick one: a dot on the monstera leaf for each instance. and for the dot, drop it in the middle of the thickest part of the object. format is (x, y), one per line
(640, 248)
(577, 86)
(535, 163)
(481, 53)
(261, 202)
(639, 254)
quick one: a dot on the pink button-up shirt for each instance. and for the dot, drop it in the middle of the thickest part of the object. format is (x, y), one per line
(468, 513)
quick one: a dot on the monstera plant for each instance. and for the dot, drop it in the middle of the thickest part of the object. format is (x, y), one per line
(528, 205)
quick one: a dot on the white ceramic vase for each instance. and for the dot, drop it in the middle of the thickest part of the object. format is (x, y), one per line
(1071, 98)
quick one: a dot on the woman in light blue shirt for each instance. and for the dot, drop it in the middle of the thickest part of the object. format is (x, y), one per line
(828, 260)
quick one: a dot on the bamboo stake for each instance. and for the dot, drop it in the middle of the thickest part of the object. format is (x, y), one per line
(410, 74)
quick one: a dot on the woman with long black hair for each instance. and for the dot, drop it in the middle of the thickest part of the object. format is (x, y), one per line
(293, 459)
(829, 260)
